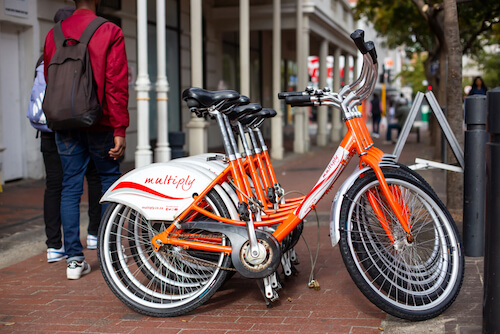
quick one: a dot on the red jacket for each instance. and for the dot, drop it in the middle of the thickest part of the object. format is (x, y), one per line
(109, 66)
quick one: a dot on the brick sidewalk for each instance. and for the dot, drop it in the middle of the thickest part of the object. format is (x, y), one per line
(37, 297)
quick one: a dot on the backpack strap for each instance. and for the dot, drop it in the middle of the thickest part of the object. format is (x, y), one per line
(58, 35)
(91, 28)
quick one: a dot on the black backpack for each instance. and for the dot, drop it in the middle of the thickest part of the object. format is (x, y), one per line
(71, 98)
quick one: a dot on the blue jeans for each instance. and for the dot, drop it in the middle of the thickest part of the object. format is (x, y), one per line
(75, 149)
(389, 130)
(53, 188)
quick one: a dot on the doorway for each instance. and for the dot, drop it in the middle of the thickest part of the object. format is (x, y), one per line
(11, 54)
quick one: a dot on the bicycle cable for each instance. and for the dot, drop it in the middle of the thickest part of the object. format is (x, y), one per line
(313, 284)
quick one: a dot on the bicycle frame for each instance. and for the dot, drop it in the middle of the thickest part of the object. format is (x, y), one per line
(357, 140)
(176, 230)
(287, 217)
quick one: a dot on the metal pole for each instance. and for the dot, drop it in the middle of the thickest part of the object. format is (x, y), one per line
(475, 175)
(491, 304)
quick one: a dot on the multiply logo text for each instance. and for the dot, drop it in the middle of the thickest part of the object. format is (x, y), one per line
(185, 183)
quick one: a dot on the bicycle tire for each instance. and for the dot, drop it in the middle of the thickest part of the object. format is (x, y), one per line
(167, 283)
(413, 281)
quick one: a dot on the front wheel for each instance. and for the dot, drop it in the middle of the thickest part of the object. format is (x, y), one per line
(414, 280)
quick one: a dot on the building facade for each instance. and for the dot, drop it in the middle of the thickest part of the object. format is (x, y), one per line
(257, 47)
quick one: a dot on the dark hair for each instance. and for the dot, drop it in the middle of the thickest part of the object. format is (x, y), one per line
(63, 13)
(483, 85)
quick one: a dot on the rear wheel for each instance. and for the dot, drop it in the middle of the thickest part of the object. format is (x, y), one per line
(414, 280)
(168, 282)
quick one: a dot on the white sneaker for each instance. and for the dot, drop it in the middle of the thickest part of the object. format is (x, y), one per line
(55, 255)
(91, 241)
(77, 269)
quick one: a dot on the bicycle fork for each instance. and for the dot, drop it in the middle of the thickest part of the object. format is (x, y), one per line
(393, 196)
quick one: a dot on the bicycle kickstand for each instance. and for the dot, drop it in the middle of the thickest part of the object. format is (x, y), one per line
(268, 286)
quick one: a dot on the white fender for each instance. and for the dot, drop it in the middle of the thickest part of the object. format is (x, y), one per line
(215, 166)
(160, 191)
(337, 204)
(387, 161)
(224, 191)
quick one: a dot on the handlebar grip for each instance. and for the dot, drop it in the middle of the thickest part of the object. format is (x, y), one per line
(299, 101)
(371, 49)
(358, 36)
(284, 95)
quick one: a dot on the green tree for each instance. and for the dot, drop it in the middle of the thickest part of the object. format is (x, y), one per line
(412, 75)
(489, 62)
(433, 26)
(419, 26)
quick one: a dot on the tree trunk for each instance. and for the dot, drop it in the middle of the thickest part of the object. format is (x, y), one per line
(441, 95)
(454, 186)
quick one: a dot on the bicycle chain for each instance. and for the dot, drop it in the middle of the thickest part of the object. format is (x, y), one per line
(192, 260)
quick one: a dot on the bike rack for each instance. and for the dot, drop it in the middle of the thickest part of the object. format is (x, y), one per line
(445, 128)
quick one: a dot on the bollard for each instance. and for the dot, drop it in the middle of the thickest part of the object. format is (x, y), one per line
(475, 175)
(491, 299)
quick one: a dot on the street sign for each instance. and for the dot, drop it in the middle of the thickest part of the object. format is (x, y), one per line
(389, 63)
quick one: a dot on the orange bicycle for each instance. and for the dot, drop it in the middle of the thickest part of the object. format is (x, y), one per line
(174, 231)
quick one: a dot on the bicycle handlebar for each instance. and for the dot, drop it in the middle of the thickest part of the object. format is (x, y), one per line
(358, 36)
(371, 50)
(284, 95)
(299, 101)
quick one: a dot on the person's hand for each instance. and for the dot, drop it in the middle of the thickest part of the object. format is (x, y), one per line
(119, 150)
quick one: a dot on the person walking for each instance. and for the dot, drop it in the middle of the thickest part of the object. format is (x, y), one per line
(103, 142)
(402, 111)
(376, 115)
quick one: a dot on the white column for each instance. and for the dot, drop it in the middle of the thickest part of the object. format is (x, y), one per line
(322, 136)
(298, 122)
(355, 72)
(305, 78)
(336, 122)
(143, 154)
(347, 69)
(197, 127)
(162, 151)
(277, 150)
(347, 80)
(245, 47)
